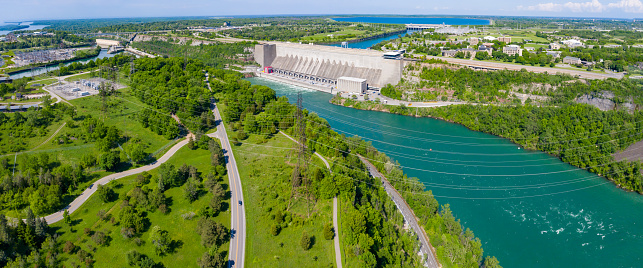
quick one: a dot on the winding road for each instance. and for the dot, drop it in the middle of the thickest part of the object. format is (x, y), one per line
(409, 216)
(74, 205)
(237, 250)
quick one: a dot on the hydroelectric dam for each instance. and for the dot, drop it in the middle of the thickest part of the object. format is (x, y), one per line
(323, 65)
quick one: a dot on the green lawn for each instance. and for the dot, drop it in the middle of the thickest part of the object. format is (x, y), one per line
(182, 231)
(265, 176)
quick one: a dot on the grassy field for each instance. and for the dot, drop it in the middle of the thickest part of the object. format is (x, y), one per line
(80, 76)
(120, 114)
(265, 176)
(187, 241)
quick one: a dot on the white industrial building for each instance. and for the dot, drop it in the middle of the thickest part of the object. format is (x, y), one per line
(351, 84)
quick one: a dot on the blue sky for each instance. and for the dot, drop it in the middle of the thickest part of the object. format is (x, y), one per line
(76, 9)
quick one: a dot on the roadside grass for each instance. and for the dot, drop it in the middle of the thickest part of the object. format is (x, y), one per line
(187, 242)
(265, 176)
(80, 76)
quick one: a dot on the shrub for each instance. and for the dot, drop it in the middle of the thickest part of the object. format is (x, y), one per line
(275, 229)
(306, 241)
(329, 232)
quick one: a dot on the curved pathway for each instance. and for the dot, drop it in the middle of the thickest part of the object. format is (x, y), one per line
(338, 252)
(50, 137)
(74, 205)
(427, 251)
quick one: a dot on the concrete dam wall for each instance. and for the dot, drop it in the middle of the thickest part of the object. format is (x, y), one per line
(326, 64)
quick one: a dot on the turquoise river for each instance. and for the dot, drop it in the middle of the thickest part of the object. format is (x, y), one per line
(528, 208)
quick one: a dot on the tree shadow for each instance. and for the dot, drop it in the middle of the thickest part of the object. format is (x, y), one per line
(175, 245)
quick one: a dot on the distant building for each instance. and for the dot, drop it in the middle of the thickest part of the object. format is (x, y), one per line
(449, 53)
(487, 49)
(505, 39)
(11, 37)
(474, 41)
(555, 54)
(512, 50)
(84, 93)
(226, 24)
(572, 43)
(571, 60)
(489, 38)
(393, 55)
(268, 69)
(554, 46)
(351, 84)
(530, 48)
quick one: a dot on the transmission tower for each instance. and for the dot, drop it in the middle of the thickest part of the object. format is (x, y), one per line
(299, 175)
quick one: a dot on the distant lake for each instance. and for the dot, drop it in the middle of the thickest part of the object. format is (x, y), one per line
(31, 27)
(407, 20)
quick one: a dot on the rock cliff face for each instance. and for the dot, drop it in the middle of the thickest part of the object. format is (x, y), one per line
(604, 102)
(181, 40)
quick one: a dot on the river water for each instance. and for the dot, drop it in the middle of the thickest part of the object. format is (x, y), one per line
(528, 208)
(42, 70)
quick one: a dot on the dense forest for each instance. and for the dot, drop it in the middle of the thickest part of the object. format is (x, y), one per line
(562, 132)
(57, 39)
(373, 238)
(216, 55)
(175, 88)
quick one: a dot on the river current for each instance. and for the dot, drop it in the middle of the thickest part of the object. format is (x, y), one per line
(528, 208)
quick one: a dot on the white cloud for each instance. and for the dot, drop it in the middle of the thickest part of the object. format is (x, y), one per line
(633, 6)
(551, 7)
(593, 6)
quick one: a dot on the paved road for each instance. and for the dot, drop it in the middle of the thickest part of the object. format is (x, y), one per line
(408, 214)
(536, 69)
(338, 252)
(237, 251)
(55, 217)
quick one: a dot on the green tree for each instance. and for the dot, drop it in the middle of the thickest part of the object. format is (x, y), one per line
(491, 262)
(131, 217)
(66, 217)
(306, 241)
(160, 239)
(105, 193)
(329, 231)
(109, 160)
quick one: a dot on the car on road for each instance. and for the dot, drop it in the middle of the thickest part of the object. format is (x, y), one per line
(239, 202)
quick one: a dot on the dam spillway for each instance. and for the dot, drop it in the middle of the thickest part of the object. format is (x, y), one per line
(326, 64)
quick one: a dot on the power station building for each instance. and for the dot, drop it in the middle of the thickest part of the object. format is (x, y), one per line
(326, 64)
(352, 84)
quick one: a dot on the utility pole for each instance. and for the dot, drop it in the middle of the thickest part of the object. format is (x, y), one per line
(299, 174)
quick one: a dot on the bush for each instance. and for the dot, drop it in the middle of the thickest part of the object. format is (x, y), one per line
(99, 238)
(69, 247)
(275, 229)
(133, 257)
(306, 241)
(329, 232)
(105, 193)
